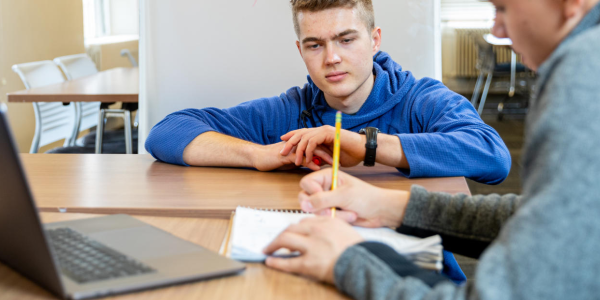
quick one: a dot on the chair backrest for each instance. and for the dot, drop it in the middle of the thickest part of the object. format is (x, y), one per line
(132, 60)
(77, 66)
(53, 120)
(486, 58)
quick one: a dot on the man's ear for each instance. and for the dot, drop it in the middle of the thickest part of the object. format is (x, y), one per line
(573, 8)
(299, 50)
(376, 39)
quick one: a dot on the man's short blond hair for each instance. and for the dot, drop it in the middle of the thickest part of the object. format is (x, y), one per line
(365, 9)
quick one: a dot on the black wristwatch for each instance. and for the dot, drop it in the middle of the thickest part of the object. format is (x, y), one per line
(371, 145)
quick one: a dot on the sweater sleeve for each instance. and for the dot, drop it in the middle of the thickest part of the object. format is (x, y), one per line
(467, 224)
(449, 138)
(375, 271)
(260, 121)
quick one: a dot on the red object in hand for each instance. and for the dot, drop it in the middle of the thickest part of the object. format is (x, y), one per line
(317, 160)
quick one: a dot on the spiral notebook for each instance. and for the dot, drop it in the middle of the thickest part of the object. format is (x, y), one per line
(251, 230)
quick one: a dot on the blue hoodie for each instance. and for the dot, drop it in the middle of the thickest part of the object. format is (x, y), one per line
(440, 131)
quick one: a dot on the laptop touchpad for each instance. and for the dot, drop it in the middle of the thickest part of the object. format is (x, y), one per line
(144, 242)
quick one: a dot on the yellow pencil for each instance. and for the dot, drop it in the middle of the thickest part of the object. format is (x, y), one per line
(336, 154)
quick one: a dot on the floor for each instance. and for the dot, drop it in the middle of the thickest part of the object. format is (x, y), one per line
(511, 129)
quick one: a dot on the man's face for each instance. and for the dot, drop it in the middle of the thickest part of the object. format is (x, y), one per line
(338, 52)
(535, 27)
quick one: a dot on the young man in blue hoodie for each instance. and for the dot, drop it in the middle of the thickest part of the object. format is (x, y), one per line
(424, 129)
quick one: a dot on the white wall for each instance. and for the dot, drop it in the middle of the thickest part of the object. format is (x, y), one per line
(221, 53)
(124, 18)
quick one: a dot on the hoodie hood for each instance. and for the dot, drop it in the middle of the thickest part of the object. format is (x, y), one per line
(390, 87)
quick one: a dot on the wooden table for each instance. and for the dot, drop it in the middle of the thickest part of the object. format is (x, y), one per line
(256, 282)
(139, 185)
(114, 85)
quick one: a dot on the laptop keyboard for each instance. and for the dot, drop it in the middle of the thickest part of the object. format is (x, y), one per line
(85, 260)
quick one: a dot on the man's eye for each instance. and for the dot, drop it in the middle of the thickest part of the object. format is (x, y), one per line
(315, 46)
(347, 40)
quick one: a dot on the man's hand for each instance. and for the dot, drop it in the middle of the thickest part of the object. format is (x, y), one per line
(268, 157)
(361, 204)
(319, 240)
(308, 140)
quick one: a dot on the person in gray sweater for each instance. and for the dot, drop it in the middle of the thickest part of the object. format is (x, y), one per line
(543, 244)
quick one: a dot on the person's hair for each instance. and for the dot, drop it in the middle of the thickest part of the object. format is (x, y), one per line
(365, 9)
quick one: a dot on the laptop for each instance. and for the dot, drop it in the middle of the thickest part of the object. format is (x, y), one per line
(92, 257)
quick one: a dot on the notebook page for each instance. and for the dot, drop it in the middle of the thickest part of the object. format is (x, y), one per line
(253, 230)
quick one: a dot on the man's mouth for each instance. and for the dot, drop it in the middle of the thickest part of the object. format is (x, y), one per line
(336, 76)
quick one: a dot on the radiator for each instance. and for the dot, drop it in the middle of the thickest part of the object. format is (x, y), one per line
(466, 52)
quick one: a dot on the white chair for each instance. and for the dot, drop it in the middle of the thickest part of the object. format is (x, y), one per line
(126, 52)
(89, 113)
(486, 64)
(77, 66)
(53, 120)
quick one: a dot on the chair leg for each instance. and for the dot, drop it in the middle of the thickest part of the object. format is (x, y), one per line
(107, 113)
(486, 89)
(477, 89)
(100, 131)
(136, 121)
(35, 144)
(513, 72)
(76, 125)
(127, 124)
(37, 136)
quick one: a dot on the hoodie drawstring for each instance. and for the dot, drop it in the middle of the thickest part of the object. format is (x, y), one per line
(307, 114)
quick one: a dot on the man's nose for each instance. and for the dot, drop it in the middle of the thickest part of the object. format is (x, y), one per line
(499, 30)
(332, 56)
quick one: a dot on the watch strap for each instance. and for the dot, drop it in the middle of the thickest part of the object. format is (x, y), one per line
(371, 145)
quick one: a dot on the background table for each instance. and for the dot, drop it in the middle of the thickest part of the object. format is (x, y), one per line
(256, 282)
(109, 86)
(139, 185)
(113, 85)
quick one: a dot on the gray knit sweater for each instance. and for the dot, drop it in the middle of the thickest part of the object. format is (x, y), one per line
(544, 244)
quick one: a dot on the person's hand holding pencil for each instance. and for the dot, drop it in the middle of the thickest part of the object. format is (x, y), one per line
(360, 203)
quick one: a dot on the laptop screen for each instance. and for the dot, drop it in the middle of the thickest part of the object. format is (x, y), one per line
(24, 246)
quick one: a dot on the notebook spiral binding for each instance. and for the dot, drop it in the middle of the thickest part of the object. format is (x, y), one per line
(287, 211)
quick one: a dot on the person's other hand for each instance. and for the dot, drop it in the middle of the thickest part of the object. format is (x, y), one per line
(308, 140)
(268, 158)
(319, 240)
(361, 204)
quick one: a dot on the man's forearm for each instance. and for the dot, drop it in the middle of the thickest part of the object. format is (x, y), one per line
(389, 151)
(219, 150)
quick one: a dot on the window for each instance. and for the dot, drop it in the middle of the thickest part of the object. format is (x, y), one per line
(110, 19)
(467, 13)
